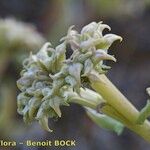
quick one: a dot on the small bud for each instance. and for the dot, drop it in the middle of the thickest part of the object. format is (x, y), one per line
(90, 43)
(83, 57)
(44, 124)
(148, 91)
(107, 41)
(42, 54)
(101, 55)
(60, 54)
(100, 28)
(88, 66)
(75, 71)
(71, 81)
(90, 28)
(34, 104)
(55, 104)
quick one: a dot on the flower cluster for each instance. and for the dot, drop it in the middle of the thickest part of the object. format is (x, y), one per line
(40, 92)
(48, 79)
(89, 50)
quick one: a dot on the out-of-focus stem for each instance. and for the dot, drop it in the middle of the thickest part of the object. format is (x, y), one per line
(3, 63)
(8, 107)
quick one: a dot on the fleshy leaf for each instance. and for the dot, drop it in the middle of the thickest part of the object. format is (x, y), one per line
(55, 104)
(102, 55)
(105, 121)
(148, 91)
(75, 71)
(70, 80)
(61, 56)
(90, 28)
(107, 40)
(90, 43)
(33, 105)
(144, 113)
(88, 65)
(44, 124)
(42, 54)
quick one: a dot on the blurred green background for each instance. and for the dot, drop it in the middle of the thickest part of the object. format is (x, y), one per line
(26, 24)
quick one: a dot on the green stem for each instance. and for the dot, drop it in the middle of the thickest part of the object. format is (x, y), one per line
(83, 102)
(87, 98)
(121, 104)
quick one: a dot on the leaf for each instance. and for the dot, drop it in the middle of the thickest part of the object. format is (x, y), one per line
(42, 109)
(105, 121)
(55, 104)
(57, 84)
(83, 57)
(42, 54)
(71, 81)
(75, 71)
(26, 114)
(22, 100)
(60, 52)
(101, 27)
(88, 66)
(144, 113)
(101, 55)
(42, 65)
(90, 28)
(91, 42)
(107, 40)
(34, 103)
(44, 124)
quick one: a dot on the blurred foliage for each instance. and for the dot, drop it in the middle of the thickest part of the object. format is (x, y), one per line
(16, 40)
(16, 37)
(119, 7)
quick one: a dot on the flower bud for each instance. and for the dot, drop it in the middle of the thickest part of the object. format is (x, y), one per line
(49, 80)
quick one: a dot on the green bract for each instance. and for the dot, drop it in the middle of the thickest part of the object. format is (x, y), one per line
(49, 80)
(145, 112)
(105, 121)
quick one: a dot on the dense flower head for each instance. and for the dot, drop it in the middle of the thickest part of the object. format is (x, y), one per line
(90, 48)
(39, 98)
(48, 76)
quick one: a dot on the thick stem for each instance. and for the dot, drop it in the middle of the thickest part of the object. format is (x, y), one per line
(87, 98)
(115, 98)
(121, 104)
(142, 130)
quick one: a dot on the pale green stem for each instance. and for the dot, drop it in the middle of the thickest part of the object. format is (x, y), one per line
(83, 102)
(144, 113)
(121, 104)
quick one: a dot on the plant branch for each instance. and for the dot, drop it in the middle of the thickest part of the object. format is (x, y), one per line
(121, 104)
